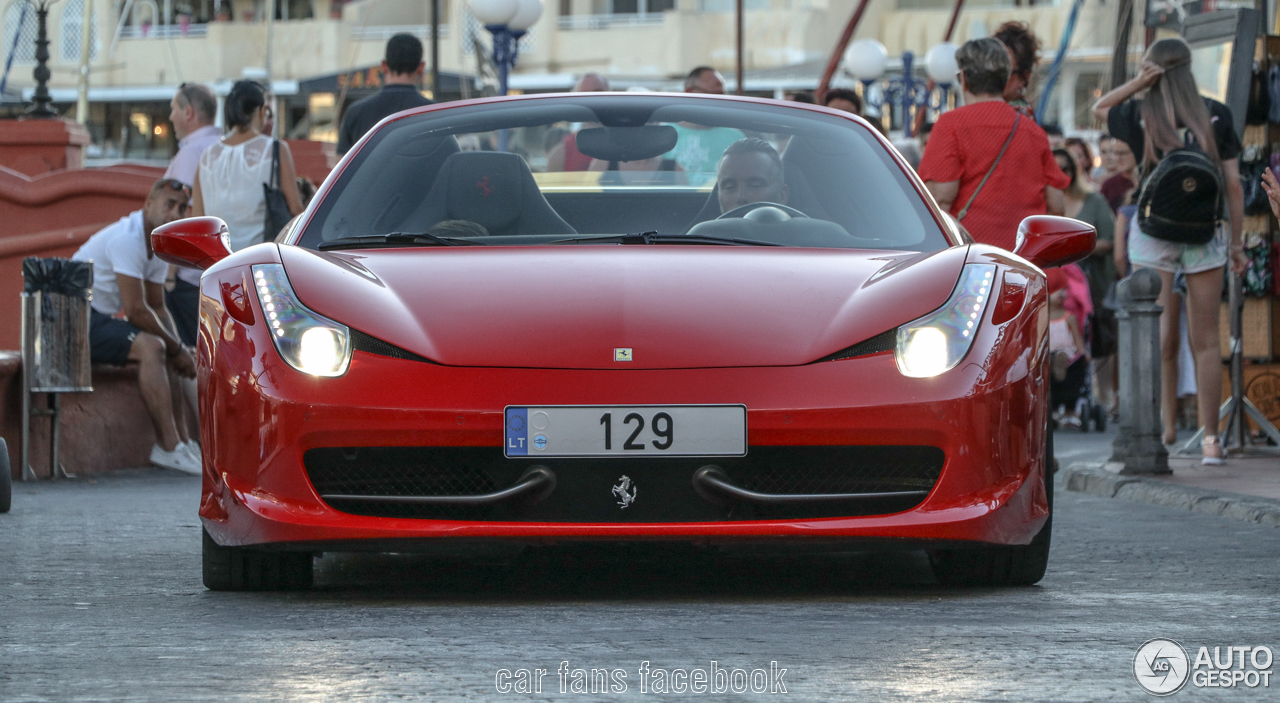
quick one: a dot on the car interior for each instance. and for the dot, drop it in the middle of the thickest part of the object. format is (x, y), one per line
(841, 192)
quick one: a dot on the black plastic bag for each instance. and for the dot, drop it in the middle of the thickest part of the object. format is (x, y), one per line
(1258, 109)
(53, 275)
(1255, 197)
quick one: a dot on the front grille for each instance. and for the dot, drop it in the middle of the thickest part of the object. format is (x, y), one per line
(400, 471)
(879, 470)
(584, 487)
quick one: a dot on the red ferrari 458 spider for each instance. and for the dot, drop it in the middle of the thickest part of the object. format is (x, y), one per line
(626, 317)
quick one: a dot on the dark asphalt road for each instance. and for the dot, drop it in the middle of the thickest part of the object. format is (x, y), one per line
(100, 599)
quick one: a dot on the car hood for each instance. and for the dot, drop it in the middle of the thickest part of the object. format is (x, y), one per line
(571, 306)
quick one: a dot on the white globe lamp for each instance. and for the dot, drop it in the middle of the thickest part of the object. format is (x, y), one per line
(941, 64)
(866, 59)
(494, 12)
(527, 13)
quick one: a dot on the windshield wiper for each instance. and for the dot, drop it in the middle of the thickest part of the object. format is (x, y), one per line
(655, 238)
(396, 239)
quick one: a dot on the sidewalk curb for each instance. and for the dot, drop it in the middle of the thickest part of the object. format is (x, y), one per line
(1094, 479)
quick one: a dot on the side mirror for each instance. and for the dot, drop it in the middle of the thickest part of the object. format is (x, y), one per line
(1048, 241)
(198, 242)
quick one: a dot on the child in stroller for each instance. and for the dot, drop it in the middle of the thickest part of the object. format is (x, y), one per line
(1069, 359)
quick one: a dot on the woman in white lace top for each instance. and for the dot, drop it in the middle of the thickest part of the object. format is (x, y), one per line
(232, 171)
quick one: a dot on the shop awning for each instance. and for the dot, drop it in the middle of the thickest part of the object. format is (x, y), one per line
(360, 82)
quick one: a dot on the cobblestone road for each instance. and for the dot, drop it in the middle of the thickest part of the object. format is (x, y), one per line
(100, 598)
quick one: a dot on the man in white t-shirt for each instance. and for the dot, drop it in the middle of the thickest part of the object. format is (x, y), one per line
(128, 278)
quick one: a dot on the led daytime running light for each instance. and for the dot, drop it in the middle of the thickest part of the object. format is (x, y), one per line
(309, 342)
(939, 341)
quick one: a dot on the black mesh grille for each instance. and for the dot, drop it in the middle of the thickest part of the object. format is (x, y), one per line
(883, 342)
(399, 471)
(366, 343)
(877, 470)
(584, 487)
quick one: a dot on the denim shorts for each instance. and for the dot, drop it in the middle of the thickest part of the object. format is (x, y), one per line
(1149, 252)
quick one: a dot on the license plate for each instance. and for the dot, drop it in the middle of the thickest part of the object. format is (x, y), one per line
(626, 430)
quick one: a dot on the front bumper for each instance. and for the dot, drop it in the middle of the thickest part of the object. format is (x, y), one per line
(261, 417)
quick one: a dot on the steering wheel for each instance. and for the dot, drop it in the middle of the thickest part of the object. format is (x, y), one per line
(749, 207)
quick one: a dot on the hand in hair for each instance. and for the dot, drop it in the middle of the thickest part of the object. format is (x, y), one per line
(1147, 76)
(1150, 73)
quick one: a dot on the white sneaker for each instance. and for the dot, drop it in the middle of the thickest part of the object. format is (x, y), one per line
(193, 448)
(178, 459)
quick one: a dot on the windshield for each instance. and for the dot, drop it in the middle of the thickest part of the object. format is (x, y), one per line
(567, 169)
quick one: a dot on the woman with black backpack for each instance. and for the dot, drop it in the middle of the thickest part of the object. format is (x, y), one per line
(1188, 194)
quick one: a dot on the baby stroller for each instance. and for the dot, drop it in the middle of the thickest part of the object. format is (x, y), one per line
(1078, 388)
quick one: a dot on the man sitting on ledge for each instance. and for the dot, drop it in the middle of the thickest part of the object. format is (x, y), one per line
(128, 277)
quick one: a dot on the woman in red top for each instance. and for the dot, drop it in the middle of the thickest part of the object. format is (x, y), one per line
(966, 142)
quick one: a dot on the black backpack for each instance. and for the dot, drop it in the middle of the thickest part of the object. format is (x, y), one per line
(1181, 199)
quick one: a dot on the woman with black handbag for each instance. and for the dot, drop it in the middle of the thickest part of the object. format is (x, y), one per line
(248, 178)
(1174, 122)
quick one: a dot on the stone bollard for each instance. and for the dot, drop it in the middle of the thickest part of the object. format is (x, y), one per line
(1138, 444)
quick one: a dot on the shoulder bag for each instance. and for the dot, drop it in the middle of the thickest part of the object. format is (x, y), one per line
(278, 214)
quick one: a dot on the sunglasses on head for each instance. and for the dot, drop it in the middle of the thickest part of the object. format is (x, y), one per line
(177, 185)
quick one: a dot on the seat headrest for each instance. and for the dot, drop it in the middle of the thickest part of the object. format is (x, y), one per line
(486, 187)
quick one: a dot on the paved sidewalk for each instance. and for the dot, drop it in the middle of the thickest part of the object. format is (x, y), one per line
(1257, 475)
(1245, 488)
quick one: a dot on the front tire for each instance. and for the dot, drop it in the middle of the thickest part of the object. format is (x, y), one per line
(1021, 565)
(245, 569)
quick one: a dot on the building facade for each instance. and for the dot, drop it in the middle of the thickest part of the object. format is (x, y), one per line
(317, 53)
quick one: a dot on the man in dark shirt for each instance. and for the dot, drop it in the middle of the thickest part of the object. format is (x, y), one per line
(401, 74)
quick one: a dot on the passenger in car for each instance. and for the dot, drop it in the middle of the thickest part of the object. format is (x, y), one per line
(750, 172)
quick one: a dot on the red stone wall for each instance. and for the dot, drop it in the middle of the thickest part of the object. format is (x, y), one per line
(33, 147)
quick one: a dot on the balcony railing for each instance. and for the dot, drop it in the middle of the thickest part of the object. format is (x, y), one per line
(646, 19)
(386, 31)
(163, 31)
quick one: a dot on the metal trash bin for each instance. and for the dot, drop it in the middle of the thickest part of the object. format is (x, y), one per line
(55, 343)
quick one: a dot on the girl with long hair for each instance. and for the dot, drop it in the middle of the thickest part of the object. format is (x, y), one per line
(1172, 115)
(232, 172)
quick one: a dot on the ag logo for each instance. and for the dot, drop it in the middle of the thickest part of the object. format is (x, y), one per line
(622, 354)
(1161, 666)
(1188, 184)
(621, 491)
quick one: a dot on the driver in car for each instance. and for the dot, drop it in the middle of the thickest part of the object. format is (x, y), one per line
(750, 172)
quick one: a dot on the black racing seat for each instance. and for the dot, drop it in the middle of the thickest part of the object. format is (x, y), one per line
(493, 189)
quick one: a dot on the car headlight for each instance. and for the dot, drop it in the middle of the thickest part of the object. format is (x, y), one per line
(309, 342)
(938, 341)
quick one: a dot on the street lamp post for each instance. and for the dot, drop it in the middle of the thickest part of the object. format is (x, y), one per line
(41, 73)
(507, 21)
(940, 64)
(867, 60)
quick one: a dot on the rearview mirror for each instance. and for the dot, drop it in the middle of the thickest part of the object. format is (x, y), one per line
(627, 143)
(1048, 241)
(198, 242)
